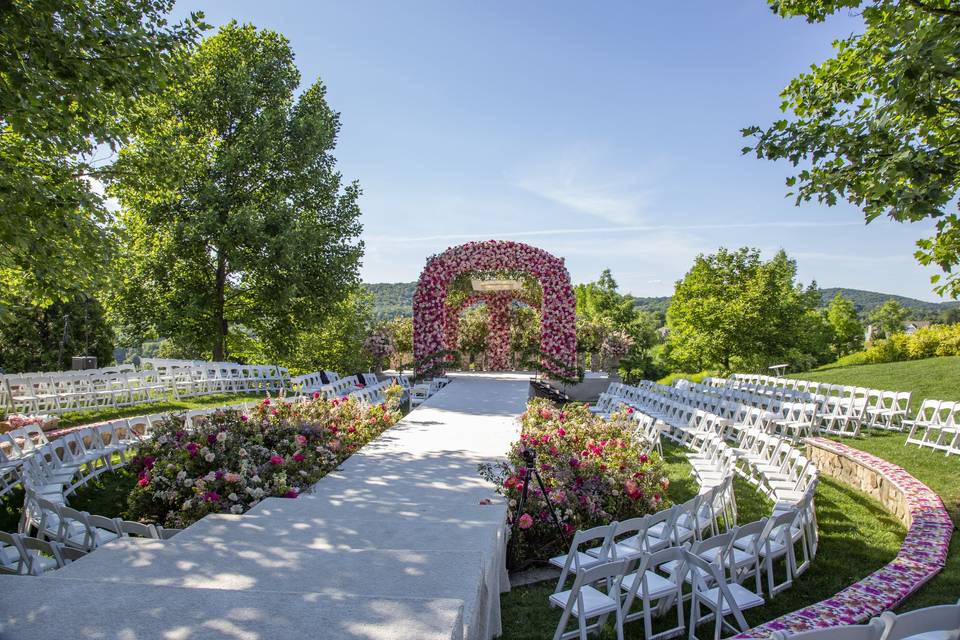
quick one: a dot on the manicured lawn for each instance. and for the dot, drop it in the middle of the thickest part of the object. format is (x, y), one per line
(164, 406)
(857, 536)
(930, 378)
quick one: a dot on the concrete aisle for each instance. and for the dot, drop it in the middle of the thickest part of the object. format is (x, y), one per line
(395, 544)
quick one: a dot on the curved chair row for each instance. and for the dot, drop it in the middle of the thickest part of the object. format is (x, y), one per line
(922, 555)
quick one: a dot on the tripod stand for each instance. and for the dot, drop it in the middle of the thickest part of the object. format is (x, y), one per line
(530, 458)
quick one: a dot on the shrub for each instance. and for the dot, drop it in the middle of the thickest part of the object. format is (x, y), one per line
(594, 473)
(928, 342)
(229, 461)
(692, 377)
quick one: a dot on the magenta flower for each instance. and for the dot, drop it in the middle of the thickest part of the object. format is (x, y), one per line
(299, 457)
(293, 493)
(277, 460)
(211, 496)
(192, 448)
(526, 521)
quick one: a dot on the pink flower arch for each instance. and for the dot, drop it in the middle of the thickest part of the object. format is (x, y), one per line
(432, 320)
(498, 306)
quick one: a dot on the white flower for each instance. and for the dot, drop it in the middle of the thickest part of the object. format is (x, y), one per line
(188, 482)
(210, 477)
(186, 505)
(210, 457)
(222, 436)
(181, 475)
(513, 503)
(233, 497)
(236, 508)
(255, 479)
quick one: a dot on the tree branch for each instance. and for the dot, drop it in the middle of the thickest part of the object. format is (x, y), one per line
(953, 13)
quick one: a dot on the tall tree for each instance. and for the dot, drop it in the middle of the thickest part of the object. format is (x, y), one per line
(233, 212)
(889, 318)
(70, 71)
(845, 326)
(876, 124)
(733, 309)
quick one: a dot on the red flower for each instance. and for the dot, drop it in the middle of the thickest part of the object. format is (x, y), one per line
(277, 460)
(299, 457)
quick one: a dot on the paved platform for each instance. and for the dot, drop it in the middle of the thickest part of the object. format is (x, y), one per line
(394, 544)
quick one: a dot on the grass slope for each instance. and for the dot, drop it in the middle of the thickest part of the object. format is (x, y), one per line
(857, 537)
(929, 378)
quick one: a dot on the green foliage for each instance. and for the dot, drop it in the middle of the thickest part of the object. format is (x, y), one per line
(732, 310)
(847, 330)
(876, 124)
(70, 74)
(889, 318)
(692, 377)
(524, 328)
(337, 343)
(473, 330)
(392, 299)
(30, 338)
(608, 321)
(934, 341)
(867, 301)
(233, 211)
(400, 330)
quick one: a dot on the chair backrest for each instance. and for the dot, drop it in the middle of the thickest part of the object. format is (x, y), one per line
(602, 534)
(943, 618)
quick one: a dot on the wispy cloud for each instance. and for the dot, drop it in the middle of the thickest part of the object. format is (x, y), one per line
(639, 228)
(576, 178)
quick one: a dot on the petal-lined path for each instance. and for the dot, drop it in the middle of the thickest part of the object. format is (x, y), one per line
(396, 544)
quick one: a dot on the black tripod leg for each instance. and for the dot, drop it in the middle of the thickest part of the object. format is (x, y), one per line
(553, 514)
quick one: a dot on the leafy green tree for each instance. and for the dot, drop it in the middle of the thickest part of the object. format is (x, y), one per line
(70, 73)
(524, 328)
(337, 343)
(401, 331)
(473, 330)
(46, 338)
(876, 124)
(233, 211)
(889, 318)
(951, 316)
(601, 299)
(845, 326)
(734, 310)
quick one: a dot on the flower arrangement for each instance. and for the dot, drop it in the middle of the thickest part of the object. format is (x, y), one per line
(230, 461)
(593, 471)
(18, 421)
(379, 345)
(558, 338)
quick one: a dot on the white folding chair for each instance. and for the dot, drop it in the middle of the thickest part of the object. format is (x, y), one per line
(873, 630)
(931, 623)
(584, 601)
(722, 599)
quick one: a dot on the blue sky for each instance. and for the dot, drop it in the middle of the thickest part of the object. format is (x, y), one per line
(606, 133)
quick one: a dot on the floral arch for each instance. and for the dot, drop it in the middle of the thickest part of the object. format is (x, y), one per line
(434, 322)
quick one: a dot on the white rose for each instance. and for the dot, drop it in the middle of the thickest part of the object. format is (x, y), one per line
(221, 436)
(233, 497)
(181, 476)
(186, 505)
(188, 482)
(210, 457)
(236, 509)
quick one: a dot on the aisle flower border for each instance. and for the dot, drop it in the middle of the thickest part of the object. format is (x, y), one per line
(558, 338)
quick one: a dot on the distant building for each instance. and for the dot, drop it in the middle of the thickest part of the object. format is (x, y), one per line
(910, 327)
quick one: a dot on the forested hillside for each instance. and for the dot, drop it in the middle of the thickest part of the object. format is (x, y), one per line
(392, 299)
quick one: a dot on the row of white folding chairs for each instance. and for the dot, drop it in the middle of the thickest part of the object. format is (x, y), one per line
(79, 391)
(653, 564)
(213, 377)
(29, 556)
(936, 425)
(79, 530)
(940, 622)
(876, 407)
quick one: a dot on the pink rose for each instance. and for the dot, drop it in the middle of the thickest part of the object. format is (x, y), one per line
(526, 521)
(277, 460)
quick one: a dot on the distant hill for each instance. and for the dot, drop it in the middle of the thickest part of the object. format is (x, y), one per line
(393, 299)
(866, 301)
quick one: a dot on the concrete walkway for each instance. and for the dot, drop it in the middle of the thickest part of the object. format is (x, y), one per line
(395, 544)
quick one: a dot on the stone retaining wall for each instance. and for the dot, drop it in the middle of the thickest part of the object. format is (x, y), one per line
(838, 464)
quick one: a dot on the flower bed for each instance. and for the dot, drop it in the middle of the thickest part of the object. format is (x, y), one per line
(593, 470)
(230, 461)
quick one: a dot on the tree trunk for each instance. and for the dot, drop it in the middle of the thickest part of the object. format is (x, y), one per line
(219, 321)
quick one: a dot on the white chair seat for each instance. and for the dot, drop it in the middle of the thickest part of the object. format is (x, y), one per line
(584, 559)
(595, 602)
(933, 635)
(102, 536)
(657, 585)
(744, 597)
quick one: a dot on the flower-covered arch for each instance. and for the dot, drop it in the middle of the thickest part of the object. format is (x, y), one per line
(498, 306)
(431, 317)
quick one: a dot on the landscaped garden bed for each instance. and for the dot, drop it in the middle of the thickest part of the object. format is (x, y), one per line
(593, 472)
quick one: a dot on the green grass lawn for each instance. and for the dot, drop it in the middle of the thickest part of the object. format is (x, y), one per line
(930, 378)
(164, 406)
(857, 536)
